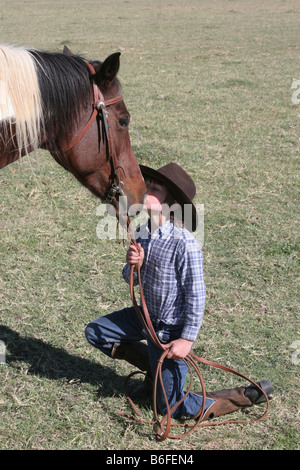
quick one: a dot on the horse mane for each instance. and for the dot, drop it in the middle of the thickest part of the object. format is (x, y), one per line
(64, 88)
(20, 98)
(41, 90)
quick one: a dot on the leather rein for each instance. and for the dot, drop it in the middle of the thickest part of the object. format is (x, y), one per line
(100, 113)
(164, 426)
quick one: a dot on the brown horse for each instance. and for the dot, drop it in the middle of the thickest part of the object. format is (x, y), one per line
(73, 109)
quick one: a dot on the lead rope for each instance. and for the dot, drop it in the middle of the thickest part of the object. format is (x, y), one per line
(164, 425)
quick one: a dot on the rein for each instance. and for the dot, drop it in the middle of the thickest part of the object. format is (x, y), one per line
(100, 112)
(164, 426)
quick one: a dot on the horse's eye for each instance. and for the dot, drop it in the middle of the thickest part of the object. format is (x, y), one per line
(124, 121)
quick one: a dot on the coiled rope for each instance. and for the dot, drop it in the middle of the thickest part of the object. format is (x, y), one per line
(164, 425)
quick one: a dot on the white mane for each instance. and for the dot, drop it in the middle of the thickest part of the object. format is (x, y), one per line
(20, 100)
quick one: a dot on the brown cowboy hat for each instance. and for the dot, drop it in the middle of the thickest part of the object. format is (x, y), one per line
(181, 186)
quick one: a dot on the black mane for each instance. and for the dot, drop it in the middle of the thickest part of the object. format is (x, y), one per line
(65, 87)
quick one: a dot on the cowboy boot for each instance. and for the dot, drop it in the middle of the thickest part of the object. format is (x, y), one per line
(136, 354)
(228, 401)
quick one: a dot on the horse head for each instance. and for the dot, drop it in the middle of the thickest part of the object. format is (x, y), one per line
(73, 109)
(100, 155)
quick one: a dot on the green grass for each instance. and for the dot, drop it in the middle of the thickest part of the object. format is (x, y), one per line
(208, 85)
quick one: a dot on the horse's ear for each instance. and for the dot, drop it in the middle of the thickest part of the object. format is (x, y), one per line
(109, 69)
(67, 51)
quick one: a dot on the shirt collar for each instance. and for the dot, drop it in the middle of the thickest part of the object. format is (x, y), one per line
(163, 231)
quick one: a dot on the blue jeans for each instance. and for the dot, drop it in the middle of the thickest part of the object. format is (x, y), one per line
(125, 326)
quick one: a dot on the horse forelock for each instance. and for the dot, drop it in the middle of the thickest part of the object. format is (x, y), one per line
(20, 98)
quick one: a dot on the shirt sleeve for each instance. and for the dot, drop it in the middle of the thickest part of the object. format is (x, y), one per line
(126, 275)
(192, 281)
(141, 236)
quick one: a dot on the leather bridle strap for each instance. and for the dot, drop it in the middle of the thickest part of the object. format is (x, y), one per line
(99, 109)
(99, 106)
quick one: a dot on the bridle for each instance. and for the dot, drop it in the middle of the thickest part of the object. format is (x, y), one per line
(100, 113)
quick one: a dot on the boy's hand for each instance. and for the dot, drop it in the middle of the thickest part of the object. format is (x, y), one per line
(135, 255)
(178, 349)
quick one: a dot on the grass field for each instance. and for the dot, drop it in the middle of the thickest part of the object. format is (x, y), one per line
(208, 85)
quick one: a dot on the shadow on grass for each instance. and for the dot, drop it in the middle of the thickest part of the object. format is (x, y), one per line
(56, 363)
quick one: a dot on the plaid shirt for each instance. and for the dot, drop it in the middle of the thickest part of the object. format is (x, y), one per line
(172, 277)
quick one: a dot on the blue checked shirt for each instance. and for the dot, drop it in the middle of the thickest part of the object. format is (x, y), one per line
(172, 277)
